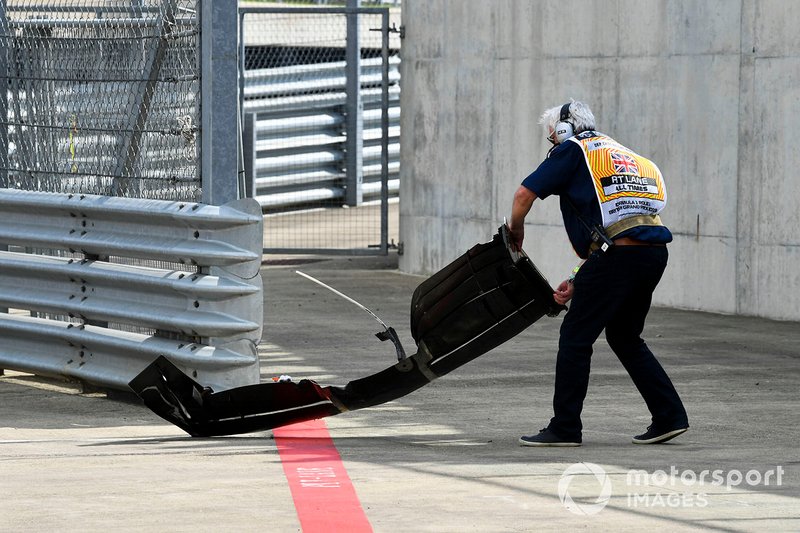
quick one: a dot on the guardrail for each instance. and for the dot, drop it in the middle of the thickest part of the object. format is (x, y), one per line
(207, 318)
(295, 143)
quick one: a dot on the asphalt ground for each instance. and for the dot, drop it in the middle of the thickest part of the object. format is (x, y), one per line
(444, 458)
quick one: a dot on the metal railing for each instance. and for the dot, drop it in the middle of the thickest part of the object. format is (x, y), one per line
(206, 317)
(295, 142)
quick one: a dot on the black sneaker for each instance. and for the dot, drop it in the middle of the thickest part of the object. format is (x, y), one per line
(654, 435)
(546, 438)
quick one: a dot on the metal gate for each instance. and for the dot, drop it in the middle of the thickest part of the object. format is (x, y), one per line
(320, 103)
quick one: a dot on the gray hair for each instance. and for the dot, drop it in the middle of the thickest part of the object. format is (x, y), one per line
(580, 116)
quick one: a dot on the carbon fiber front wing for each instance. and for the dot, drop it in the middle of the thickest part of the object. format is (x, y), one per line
(485, 297)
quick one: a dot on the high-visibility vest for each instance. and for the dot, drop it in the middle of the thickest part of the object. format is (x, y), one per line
(627, 184)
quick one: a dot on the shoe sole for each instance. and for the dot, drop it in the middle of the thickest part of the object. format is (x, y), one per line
(552, 444)
(661, 438)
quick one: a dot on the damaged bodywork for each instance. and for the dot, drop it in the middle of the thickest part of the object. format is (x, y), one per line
(482, 299)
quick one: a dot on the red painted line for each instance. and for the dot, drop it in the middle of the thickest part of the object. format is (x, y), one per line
(323, 494)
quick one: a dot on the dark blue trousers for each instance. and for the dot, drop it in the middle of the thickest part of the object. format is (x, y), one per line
(613, 291)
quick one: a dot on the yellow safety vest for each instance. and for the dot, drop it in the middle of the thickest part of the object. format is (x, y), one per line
(628, 186)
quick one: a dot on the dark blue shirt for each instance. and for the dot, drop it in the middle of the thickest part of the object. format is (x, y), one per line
(566, 174)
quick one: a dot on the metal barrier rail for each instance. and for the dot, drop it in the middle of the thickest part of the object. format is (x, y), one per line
(92, 290)
(216, 310)
(295, 143)
(181, 232)
(112, 358)
(300, 79)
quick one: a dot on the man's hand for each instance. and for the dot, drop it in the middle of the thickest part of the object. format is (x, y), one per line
(563, 292)
(517, 234)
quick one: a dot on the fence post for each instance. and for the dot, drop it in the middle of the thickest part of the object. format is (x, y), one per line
(219, 91)
(353, 109)
(385, 132)
(249, 150)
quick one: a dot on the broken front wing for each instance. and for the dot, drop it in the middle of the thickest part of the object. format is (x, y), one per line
(485, 297)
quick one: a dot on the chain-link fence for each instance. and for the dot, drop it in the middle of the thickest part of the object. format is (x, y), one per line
(103, 97)
(321, 104)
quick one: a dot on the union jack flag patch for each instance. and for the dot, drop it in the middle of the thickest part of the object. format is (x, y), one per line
(623, 163)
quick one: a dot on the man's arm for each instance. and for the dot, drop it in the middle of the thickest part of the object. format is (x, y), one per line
(523, 200)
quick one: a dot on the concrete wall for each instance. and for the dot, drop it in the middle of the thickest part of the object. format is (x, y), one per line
(708, 89)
